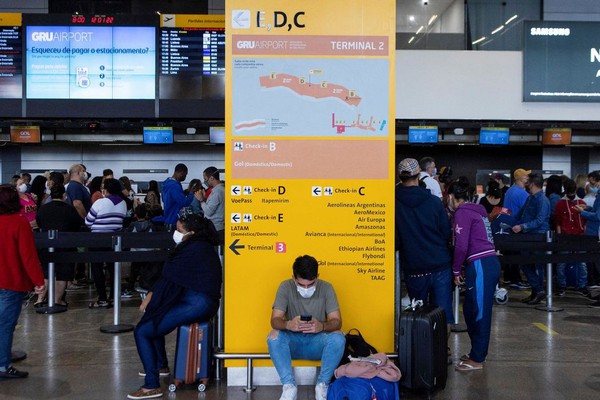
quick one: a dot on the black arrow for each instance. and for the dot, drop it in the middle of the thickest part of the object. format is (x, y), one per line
(234, 246)
(235, 217)
(235, 190)
(317, 191)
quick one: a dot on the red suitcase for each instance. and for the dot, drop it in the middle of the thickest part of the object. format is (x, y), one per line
(192, 356)
(423, 348)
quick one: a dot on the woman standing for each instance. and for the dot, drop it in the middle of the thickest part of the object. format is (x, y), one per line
(106, 215)
(20, 271)
(152, 200)
(28, 206)
(474, 248)
(188, 291)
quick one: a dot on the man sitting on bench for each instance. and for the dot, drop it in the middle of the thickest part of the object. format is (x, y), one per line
(306, 324)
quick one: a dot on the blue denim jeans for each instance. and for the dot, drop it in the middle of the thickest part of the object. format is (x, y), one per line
(10, 309)
(535, 276)
(581, 275)
(150, 340)
(434, 288)
(481, 278)
(287, 346)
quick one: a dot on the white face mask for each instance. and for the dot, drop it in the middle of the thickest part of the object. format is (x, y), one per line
(178, 237)
(47, 190)
(306, 292)
(23, 187)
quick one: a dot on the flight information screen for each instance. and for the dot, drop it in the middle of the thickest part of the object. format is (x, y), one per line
(90, 62)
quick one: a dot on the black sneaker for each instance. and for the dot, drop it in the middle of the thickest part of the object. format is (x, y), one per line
(595, 304)
(12, 373)
(561, 292)
(528, 298)
(583, 291)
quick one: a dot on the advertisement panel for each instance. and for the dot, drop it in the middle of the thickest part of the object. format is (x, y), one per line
(25, 134)
(561, 61)
(556, 136)
(309, 149)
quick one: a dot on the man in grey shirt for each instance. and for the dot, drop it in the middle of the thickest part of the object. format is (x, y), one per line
(213, 206)
(306, 324)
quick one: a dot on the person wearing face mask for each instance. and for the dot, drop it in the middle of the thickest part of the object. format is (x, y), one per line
(106, 215)
(28, 205)
(474, 248)
(427, 174)
(77, 193)
(534, 217)
(188, 291)
(569, 221)
(306, 322)
(62, 217)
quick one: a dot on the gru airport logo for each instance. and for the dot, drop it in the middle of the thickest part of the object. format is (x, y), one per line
(242, 19)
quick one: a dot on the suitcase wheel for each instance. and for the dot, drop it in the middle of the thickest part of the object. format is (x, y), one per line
(201, 387)
(172, 387)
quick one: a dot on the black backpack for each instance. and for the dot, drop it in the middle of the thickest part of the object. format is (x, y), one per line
(356, 346)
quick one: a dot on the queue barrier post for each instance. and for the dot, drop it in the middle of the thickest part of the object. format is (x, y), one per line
(549, 307)
(117, 327)
(456, 327)
(52, 307)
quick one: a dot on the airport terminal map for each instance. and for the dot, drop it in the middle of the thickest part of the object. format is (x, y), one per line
(274, 97)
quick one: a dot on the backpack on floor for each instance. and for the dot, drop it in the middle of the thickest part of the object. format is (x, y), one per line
(356, 346)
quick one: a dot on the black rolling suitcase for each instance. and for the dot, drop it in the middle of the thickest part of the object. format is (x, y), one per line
(423, 348)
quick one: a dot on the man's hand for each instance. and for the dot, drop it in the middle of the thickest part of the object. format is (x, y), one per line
(459, 280)
(517, 228)
(579, 208)
(297, 325)
(39, 289)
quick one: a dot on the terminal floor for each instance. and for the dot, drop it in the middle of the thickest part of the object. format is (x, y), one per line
(533, 355)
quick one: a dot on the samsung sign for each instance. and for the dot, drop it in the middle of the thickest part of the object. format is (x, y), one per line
(561, 62)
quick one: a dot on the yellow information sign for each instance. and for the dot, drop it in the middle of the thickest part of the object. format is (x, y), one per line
(310, 160)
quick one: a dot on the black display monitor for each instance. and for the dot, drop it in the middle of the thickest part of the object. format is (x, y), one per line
(158, 135)
(90, 66)
(494, 136)
(192, 66)
(423, 134)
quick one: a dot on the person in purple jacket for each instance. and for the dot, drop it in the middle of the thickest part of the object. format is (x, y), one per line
(474, 248)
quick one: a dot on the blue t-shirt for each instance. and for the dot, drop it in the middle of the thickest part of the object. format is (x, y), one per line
(515, 198)
(77, 191)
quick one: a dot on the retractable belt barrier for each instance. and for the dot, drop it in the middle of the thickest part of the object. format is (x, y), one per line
(101, 247)
(549, 248)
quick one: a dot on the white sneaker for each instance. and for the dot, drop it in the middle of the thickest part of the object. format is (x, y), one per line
(321, 391)
(290, 392)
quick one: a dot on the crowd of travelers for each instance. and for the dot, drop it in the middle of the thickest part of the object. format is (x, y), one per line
(445, 229)
(75, 201)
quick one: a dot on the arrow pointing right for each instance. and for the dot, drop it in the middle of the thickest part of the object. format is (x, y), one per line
(234, 246)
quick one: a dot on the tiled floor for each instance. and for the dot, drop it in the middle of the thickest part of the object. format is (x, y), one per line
(534, 355)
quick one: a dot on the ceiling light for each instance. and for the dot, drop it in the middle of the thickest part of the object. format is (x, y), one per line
(411, 39)
(510, 19)
(498, 29)
(433, 18)
(419, 30)
(481, 39)
(411, 18)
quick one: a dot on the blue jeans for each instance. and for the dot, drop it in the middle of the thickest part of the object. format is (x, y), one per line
(581, 275)
(10, 309)
(434, 288)
(481, 278)
(150, 340)
(287, 346)
(535, 277)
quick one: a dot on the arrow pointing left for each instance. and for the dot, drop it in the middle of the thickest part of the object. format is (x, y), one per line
(234, 247)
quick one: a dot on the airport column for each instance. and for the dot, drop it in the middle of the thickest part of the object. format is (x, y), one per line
(309, 156)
